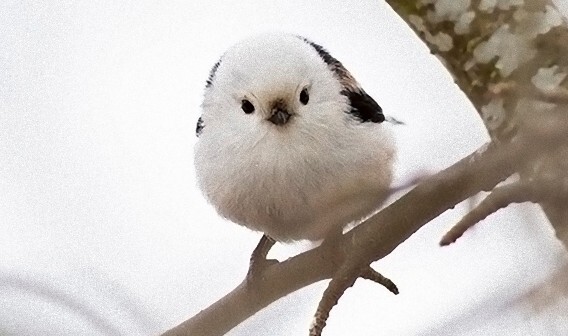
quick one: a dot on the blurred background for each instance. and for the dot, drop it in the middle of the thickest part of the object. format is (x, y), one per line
(104, 232)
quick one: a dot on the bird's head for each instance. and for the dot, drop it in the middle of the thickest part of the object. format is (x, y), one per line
(272, 84)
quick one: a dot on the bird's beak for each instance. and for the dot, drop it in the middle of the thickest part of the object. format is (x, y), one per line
(279, 116)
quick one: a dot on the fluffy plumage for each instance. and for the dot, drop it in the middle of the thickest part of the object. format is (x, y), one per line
(312, 156)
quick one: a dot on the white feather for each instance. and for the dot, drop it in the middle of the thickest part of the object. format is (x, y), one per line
(303, 180)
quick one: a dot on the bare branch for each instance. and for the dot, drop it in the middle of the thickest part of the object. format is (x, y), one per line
(518, 192)
(499, 198)
(368, 242)
(344, 279)
(340, 282)
(506, 91)
(370, 274)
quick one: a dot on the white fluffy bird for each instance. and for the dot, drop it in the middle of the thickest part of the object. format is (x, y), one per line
(289, 143)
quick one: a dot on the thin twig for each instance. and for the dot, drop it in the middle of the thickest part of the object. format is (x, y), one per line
(501, 197)
(370, 274)
(344, 279)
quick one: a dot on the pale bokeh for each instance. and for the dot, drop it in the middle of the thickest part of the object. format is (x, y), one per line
(103, 231)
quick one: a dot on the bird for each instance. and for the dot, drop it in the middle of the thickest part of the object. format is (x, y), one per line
(289, 144)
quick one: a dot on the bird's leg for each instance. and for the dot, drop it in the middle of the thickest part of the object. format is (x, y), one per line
(331, 241)
(258, 261)
(261, 250)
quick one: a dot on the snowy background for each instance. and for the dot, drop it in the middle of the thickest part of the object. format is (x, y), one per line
(102, 228)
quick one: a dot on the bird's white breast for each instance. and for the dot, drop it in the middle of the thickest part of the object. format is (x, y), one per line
(298, 183)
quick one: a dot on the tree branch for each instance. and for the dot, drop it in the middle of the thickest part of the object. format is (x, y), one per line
(368, 242)
(370, 274)
(345, 277)
(499, 198)
(341, 281)
(534, 191)
(473, 41)
(471, 49)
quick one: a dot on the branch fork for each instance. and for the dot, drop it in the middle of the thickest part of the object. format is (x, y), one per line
(349, 258)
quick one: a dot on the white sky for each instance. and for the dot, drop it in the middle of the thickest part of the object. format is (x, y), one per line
(102, 229)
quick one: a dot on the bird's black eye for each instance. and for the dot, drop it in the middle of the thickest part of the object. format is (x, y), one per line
(247, 106)
(304, 97)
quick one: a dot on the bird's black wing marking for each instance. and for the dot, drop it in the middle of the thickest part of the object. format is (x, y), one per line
(331, 61)
(209, 81)
(327, 58)
(199, 127)
(363, 107)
